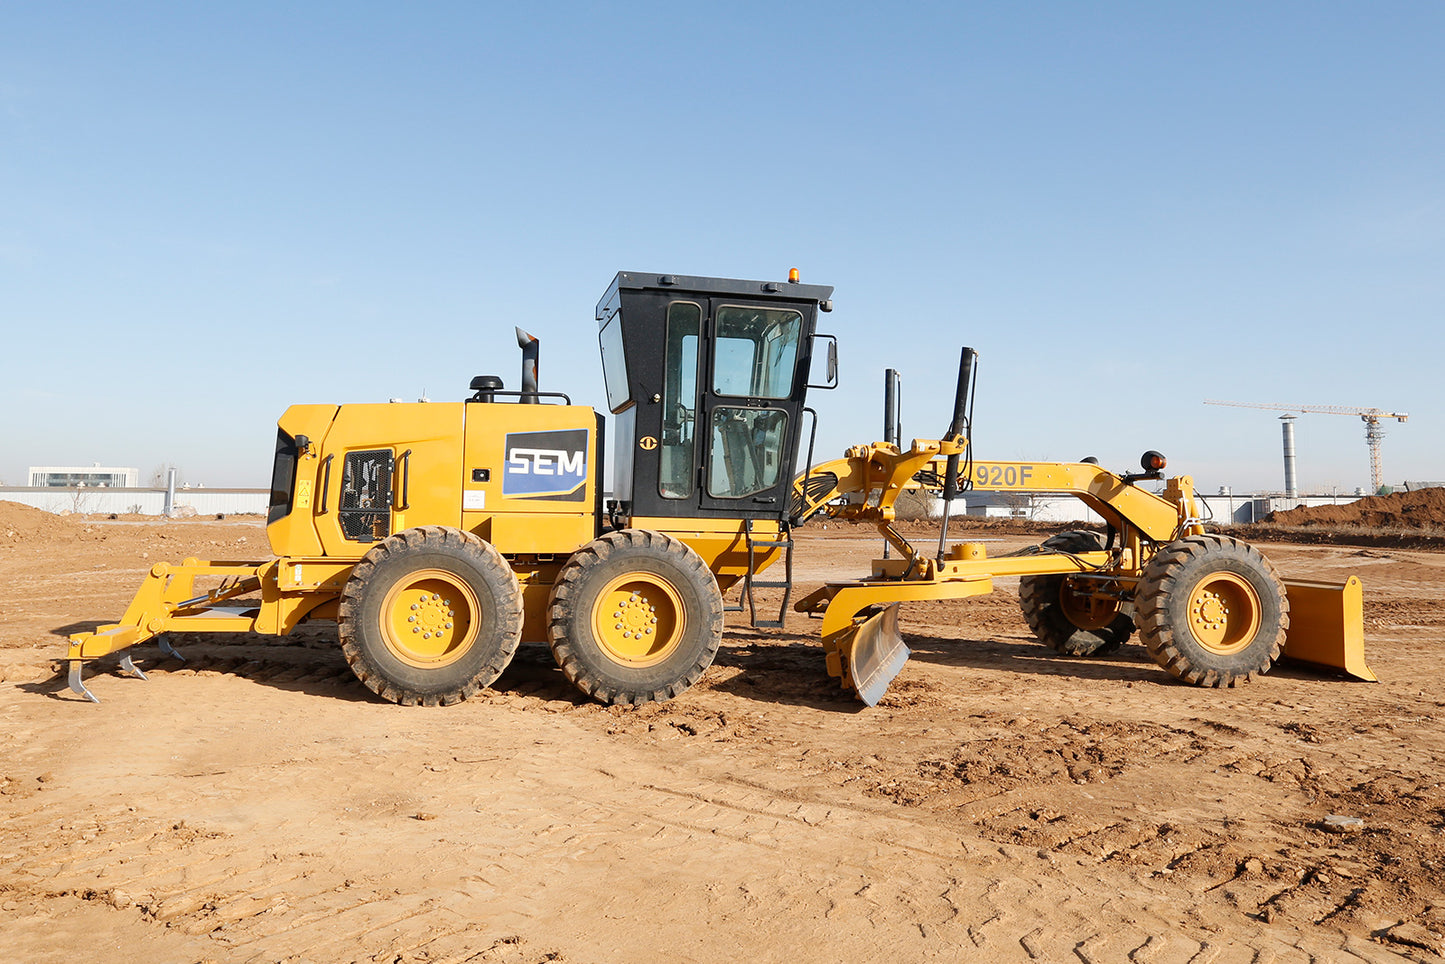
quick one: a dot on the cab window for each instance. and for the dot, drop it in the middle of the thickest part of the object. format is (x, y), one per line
(747, 450)
(679, 401)
(614, 364)
(756, 353)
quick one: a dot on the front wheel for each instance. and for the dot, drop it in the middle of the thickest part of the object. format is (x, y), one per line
(1065, 614)
(635, 616)
(1212, 610)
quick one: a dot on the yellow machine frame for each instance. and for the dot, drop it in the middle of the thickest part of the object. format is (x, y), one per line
(860, 616)
(432, 444)
(389, 492)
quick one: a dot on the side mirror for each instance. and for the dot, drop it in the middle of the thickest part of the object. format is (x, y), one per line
(831, 365)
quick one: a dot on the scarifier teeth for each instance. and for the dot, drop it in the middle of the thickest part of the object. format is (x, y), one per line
(168, 649)
(77, 685)
(128, 664)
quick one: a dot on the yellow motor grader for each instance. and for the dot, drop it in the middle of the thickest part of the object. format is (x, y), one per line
(438, 536)
(1210, 609)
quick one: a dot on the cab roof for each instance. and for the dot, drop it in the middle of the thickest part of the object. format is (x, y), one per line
(753, 290)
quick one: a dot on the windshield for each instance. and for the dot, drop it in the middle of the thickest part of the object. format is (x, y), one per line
(756, 352)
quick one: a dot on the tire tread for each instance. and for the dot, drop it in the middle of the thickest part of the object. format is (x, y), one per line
(478, 553)
(567, 590)
(1161, 637)
(1038, 601)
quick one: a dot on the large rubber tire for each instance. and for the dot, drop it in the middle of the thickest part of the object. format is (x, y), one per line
(430, 616)
(635, 617)
(1068, 622)
(1212, 610)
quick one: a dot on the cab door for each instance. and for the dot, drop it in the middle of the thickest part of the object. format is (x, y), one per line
(746, 426)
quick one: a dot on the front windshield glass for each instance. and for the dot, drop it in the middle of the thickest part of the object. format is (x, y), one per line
(756, 351)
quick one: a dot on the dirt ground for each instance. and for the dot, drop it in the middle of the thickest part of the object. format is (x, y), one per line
(1001, 804)
(1421, 509)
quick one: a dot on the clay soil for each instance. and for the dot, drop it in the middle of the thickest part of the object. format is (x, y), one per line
(1423, 509)
(1001, 804)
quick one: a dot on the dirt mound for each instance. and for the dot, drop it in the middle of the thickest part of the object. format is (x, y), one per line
(26, 522)
(1422, 509)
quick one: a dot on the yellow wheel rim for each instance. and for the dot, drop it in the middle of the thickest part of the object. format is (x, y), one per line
(430, 618)
(639, 619)
(1087, 611)
(1224, 612)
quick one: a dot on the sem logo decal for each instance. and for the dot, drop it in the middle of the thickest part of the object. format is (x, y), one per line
(546, 465)
(647, 442)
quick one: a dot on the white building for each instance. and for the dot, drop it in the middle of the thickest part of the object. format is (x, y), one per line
(92, 476)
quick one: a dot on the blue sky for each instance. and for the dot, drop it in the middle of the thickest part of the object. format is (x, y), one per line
(212, 211)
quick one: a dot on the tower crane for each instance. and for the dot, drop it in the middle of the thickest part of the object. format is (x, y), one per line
(1374, 431)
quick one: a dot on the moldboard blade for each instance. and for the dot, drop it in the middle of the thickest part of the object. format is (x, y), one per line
(876, 654)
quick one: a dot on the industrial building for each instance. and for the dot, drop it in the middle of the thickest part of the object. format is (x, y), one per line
(94, 475)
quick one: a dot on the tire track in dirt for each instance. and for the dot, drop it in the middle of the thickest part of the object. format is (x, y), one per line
(837, 870)
(256, 805)
(748, 815)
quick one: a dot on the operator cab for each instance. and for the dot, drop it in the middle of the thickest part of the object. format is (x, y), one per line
(707, 378)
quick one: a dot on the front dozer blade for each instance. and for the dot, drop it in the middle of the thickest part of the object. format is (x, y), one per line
(875, 653)
(1327, 625)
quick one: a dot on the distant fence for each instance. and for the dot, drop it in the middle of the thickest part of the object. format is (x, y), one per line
(1220, 509)
(147, 501)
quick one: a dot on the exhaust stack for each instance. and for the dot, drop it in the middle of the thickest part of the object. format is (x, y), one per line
(530, 351)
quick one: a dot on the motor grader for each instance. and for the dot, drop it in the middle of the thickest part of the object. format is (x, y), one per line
(1211, 609)
(438, 536)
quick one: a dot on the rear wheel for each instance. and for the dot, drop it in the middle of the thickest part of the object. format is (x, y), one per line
(1066, 617)
(1212, 610)
(430, 616)
(635, 616)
